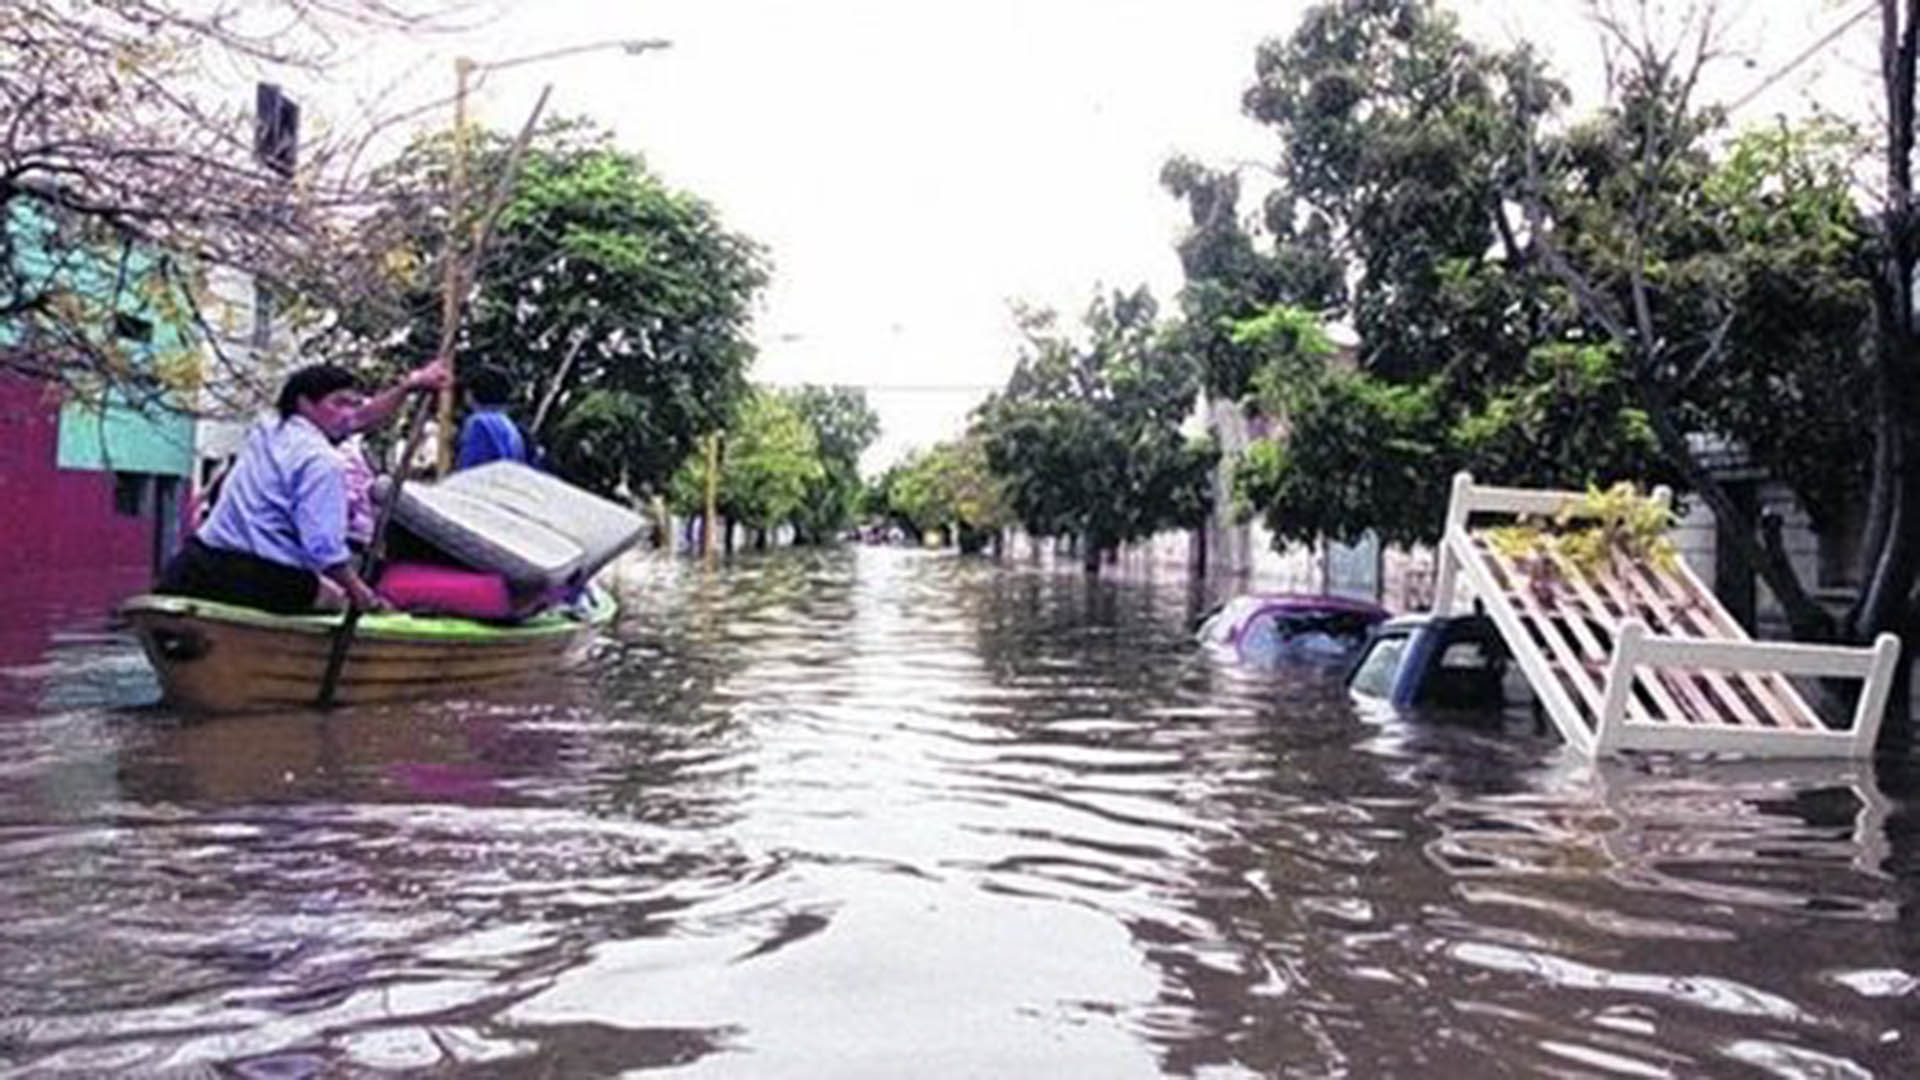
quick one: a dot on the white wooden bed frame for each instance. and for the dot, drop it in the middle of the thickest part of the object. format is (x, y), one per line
(1674, 670)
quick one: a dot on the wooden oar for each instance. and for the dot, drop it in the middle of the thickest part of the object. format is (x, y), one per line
(449, 330)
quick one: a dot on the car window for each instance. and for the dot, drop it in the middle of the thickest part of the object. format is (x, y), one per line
(1471, 655)
(1467, 675)
(1260, 639)
(1374, 674)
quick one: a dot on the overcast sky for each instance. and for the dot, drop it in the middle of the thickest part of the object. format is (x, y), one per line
(913, 167)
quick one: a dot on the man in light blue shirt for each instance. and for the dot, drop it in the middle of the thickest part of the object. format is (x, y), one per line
(277, 536)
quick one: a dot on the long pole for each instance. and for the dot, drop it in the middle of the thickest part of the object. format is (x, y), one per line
(450, 301)
(449, 330)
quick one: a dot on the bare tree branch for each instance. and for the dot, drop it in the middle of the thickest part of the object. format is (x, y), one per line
(113, 130)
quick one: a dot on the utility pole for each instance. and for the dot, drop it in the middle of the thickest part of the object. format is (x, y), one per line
(464, 68)
(713, 486)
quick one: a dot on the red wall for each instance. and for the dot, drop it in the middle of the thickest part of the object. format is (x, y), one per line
(52, 519)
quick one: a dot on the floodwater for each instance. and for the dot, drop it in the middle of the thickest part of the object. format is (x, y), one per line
(886, 813)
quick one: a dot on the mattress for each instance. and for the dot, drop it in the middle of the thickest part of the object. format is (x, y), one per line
(534, 529)
(487, 536)
(600, 528)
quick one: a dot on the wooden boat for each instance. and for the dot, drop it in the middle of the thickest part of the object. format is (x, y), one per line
(214, 657)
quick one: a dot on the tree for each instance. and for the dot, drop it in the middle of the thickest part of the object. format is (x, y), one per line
(769, 458)
(1399, 138)
(1390, 212)
(1087, 438)
(915, 494)
(1229, 280)
(118, 137)
(1416, 149)
(949, 485)
(618, 307)
(1890, 551)
(844, 425)
(1734, 291)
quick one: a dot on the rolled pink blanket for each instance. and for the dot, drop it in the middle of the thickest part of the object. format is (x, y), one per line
(423, 588)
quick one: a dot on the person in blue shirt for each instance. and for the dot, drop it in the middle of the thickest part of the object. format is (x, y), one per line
(488, 434)
(276, 538)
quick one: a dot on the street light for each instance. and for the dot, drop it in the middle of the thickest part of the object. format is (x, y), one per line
(463, 70)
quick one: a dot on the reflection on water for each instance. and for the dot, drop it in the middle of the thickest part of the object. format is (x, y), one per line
(880, 812)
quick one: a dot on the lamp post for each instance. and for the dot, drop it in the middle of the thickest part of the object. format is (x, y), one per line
(463, 71)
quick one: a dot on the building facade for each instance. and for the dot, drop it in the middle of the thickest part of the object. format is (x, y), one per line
(89, 483)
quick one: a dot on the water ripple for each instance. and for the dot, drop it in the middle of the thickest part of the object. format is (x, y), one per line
(882, 812)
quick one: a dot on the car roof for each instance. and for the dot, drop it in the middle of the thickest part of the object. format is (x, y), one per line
(1248, 603)
(1425, 618)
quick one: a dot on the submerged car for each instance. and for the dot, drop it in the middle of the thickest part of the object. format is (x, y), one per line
(1456, 663)
(1277, 628)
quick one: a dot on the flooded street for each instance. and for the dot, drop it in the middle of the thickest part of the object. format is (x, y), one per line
(887, 813)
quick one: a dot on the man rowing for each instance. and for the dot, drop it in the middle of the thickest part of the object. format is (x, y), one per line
(276, 539)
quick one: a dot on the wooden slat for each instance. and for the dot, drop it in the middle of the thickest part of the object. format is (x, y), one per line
(1595, 657)
(1702, 707)
(1459, 551)
(1605, 614)
(1788, 657)
(1772, 693)
(1790, 705)
(1704, 617)
(1485, 499)
(1681, 673)
(1673, 620)
(1573, 669)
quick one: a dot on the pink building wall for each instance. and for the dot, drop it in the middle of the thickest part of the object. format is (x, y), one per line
(70, 556)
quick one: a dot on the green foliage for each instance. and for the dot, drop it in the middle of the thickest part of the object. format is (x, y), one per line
(844, 425)
(1229, 280)
(1403, 158)
(769, 458)
(625, 302)
(949, 484)
(1570, 420)
(1599, 533)
(1397, 139)
(1292, 349)
(1362, 454)
(1796, 388)
(1752, 264)
(1087, 438)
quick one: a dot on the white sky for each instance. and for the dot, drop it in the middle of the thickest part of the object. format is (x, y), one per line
(915, 166)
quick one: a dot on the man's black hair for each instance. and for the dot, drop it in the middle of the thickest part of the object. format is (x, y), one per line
(489, 386)
(314, 382)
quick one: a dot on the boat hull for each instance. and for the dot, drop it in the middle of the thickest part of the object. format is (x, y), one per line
(212, 657)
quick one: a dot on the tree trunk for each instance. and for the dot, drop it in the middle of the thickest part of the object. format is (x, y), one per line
(1733, 575)
(1090, 557)
(1887, 600)
(1807, 620)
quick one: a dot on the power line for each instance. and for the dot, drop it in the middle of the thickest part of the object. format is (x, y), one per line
(1805, 54)
(889, 388)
